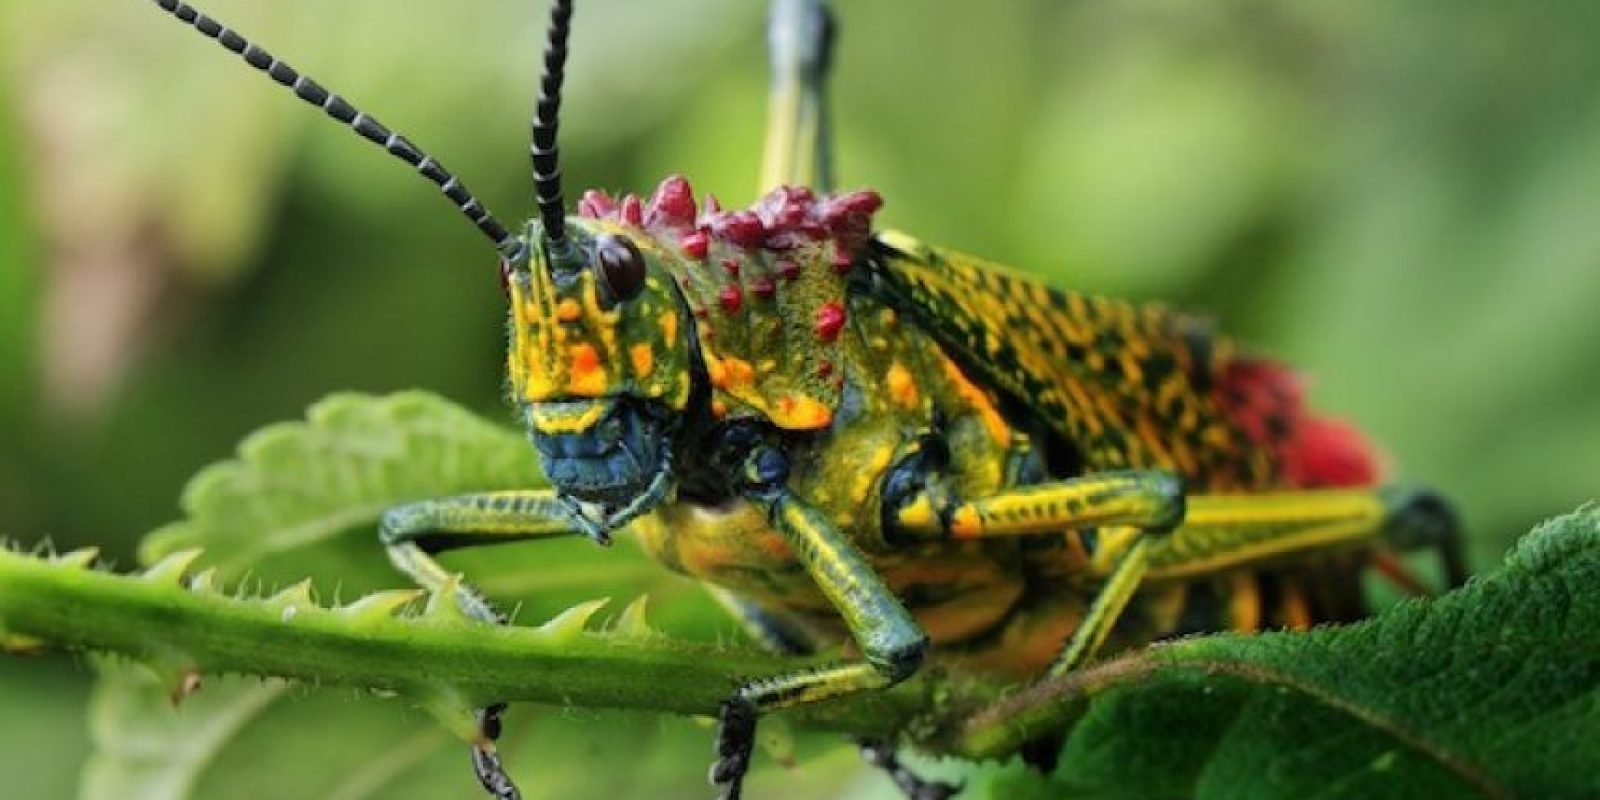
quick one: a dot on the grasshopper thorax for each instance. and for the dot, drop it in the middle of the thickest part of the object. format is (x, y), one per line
(765, 289)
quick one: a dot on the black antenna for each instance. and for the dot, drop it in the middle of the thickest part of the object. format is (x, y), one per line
(546, 169)
(359, 121)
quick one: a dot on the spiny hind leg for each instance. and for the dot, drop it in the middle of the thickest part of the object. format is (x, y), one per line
(1222, 534)
(416, 532)
(1226, 531)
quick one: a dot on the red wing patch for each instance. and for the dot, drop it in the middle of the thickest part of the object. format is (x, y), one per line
(1266, 400)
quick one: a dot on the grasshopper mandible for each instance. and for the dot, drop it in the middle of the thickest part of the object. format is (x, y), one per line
(855, 437)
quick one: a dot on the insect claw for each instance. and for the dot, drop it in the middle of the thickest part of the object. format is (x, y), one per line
(492, 775)
(735, 739)
(882, 755)
(583, 516)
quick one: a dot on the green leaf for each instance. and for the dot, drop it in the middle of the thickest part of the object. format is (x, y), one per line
(1491, 691)
(146, 750)
(297, 490)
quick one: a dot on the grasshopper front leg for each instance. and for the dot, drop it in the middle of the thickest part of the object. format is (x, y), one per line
(891, 642)
(416, 532)
(781, 636)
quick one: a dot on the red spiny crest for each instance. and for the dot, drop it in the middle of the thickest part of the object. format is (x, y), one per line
(786, 219)
(766, 285)
(1266, 400)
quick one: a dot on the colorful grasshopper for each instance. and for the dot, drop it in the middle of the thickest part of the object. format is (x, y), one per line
(855, 437)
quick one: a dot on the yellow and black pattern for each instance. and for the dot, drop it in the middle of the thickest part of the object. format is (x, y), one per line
(1129, 385)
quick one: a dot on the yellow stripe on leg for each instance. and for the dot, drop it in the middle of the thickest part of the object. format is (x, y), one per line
(1224, 532)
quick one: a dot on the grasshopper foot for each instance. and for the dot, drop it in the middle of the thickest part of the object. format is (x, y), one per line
(736, 735)
(486, 762)
(881, 755)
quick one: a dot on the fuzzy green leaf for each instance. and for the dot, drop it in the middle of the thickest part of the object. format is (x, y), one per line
(297, 489)
(1492, 691)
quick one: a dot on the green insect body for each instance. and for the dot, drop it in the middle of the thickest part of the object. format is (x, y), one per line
(864, 444)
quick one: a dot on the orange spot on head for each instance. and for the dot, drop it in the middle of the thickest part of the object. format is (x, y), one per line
(719, 409)
(569, 310)
(644, 360)
(669, 326)
(585, 378)
(902, 386)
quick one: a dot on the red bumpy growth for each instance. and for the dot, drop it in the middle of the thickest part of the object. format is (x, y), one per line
(785, 219)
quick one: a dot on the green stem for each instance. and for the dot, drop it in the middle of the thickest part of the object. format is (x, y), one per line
(432, 657)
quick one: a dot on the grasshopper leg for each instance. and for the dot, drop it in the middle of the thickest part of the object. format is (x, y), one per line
(775, 633)
(1421, 518)
(416, 532)
(1222, 534)
(884, 757)
(781, 636)
(1217, 532)
(890, 640)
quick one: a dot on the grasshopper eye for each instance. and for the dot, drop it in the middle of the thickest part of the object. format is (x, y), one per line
(620, 267)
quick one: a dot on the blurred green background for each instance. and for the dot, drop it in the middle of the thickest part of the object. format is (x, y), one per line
(1402, 199)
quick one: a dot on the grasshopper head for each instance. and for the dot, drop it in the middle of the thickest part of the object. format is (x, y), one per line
(599, 365)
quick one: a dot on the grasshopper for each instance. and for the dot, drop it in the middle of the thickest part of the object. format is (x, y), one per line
(856, 438)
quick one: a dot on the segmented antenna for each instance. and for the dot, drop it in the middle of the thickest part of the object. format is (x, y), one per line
(546, 169)
(371, 129)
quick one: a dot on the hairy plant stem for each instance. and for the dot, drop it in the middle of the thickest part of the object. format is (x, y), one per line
(433, 657)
